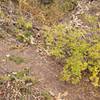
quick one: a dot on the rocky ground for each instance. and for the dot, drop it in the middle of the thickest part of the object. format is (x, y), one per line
(32, 55)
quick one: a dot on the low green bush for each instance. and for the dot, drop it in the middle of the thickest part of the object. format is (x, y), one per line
(21, 22)
(79, 50)
(25, 37)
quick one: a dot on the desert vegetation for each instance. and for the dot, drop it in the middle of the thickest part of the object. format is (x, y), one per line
(49, 49)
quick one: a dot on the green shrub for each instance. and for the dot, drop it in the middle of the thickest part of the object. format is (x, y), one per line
(23, 23)
(90, 18)
(79, 53)
(25, 37)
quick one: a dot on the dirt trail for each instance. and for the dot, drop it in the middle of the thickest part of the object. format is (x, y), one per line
(45, 69)
(41, 66)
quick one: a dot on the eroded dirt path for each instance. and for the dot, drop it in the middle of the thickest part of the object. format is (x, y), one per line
(41, 66)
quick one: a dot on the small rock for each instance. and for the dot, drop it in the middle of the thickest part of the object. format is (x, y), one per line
(52, 93)
(7, 55)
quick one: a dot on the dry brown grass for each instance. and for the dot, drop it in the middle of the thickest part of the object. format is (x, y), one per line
(45, 14)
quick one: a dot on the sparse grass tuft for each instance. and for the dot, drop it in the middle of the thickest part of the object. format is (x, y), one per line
(16, 59)
(19, 84)
(46, 95)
